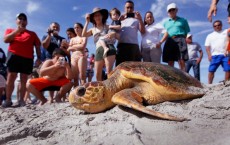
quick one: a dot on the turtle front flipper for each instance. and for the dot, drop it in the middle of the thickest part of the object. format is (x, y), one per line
(133, 99)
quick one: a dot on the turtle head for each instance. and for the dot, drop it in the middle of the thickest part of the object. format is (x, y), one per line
(91, 97)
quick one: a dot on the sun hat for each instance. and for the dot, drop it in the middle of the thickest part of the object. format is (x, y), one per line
(189, 35)
(21, 15)
(104, 13)
(171, 6)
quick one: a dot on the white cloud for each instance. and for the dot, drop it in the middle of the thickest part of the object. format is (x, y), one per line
(199, 23)
(75, 8)
(32, 7)
(157, 8)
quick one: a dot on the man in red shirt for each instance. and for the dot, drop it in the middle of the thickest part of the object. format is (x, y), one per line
(20, 56)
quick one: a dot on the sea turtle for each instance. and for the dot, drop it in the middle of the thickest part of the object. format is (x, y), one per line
(132, 84)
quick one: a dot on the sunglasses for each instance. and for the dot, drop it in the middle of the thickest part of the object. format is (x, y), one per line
(22, 19)
(171, 10)
(217, 25)
(129, 7)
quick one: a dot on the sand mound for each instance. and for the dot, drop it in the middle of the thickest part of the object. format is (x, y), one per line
(62, 124)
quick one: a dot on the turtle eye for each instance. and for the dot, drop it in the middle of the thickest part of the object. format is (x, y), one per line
(81, 91)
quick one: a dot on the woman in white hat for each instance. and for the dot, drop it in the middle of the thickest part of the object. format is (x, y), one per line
(100, 29)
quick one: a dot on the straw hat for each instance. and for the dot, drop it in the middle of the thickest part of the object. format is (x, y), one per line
(104, 13)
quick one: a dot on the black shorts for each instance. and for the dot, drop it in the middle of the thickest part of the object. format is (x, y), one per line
(19, 64)
(175, 49)
(127, 52)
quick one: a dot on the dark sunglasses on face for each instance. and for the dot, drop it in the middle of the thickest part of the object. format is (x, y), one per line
(22, 19)
(172, 10)
(129, 7)
(217, 25)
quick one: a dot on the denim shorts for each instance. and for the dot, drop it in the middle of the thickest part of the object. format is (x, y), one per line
(218, 60)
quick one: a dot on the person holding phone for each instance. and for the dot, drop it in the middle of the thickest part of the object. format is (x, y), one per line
(131, 23)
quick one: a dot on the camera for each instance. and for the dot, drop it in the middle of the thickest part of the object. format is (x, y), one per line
(130, 15)
(50, 31)
(62, 60)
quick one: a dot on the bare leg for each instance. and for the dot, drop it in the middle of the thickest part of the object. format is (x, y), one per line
(171, 63)
(103, 44)
(11, 77)
(62, 92)
(51, 96)
(109, 62)
(36, 93)
(181, 64)
(74, 68)
(227, 75)
(82, 67)
(23, 79)
(1, 93)
(98, 69)
(210, 77)
(18, 90)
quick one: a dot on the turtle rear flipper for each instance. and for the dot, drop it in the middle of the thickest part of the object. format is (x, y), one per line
(132, 99)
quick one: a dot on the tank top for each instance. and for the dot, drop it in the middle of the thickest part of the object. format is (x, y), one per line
(99, 33)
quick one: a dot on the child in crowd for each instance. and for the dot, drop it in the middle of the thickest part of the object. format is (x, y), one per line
(113, 29)
(90, 65)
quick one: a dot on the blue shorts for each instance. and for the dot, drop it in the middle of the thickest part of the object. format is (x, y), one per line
(218, 60)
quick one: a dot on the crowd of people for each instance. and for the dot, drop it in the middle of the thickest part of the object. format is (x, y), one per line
(65, 63)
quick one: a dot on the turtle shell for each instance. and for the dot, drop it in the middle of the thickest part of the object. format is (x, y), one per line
(166, 80)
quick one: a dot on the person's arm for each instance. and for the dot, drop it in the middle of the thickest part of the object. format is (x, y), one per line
(86, 33)
(38, 53)
(199, 58)
(227, 47)
(165, 36)
(141, 23)
(10, 37)
(47, 68)
(117, 25)
(208, 50)
(46, 41)
(212, 9)
(68, 72)
(79, 47)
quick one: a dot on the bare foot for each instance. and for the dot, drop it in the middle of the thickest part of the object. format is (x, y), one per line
(42, 102)
(105, 51)
(58, 100)
(50, 101)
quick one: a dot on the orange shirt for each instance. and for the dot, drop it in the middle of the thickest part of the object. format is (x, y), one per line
(23, 43)
(228, 33)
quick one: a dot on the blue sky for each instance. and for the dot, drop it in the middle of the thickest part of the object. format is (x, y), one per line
(66, 12)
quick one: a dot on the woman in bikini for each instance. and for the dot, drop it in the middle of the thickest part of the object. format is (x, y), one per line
(78, 59)
(100, 29)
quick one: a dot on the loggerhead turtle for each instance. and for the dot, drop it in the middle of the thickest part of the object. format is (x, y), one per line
(133, 83)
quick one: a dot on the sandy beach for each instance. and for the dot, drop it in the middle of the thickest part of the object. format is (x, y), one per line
(62, 124)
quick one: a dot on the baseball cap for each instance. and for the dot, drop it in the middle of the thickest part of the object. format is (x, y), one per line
(189, 35)
(21, 15)
(171, 6)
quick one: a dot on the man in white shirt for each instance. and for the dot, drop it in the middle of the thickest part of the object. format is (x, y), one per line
(215, 46)
(131, 23)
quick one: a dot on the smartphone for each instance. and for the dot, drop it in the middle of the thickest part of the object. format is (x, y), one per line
(130, 15)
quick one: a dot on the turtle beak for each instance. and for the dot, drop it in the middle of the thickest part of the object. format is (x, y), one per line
(81, 91)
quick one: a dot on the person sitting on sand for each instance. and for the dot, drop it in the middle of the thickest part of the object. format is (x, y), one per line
(53, 72)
